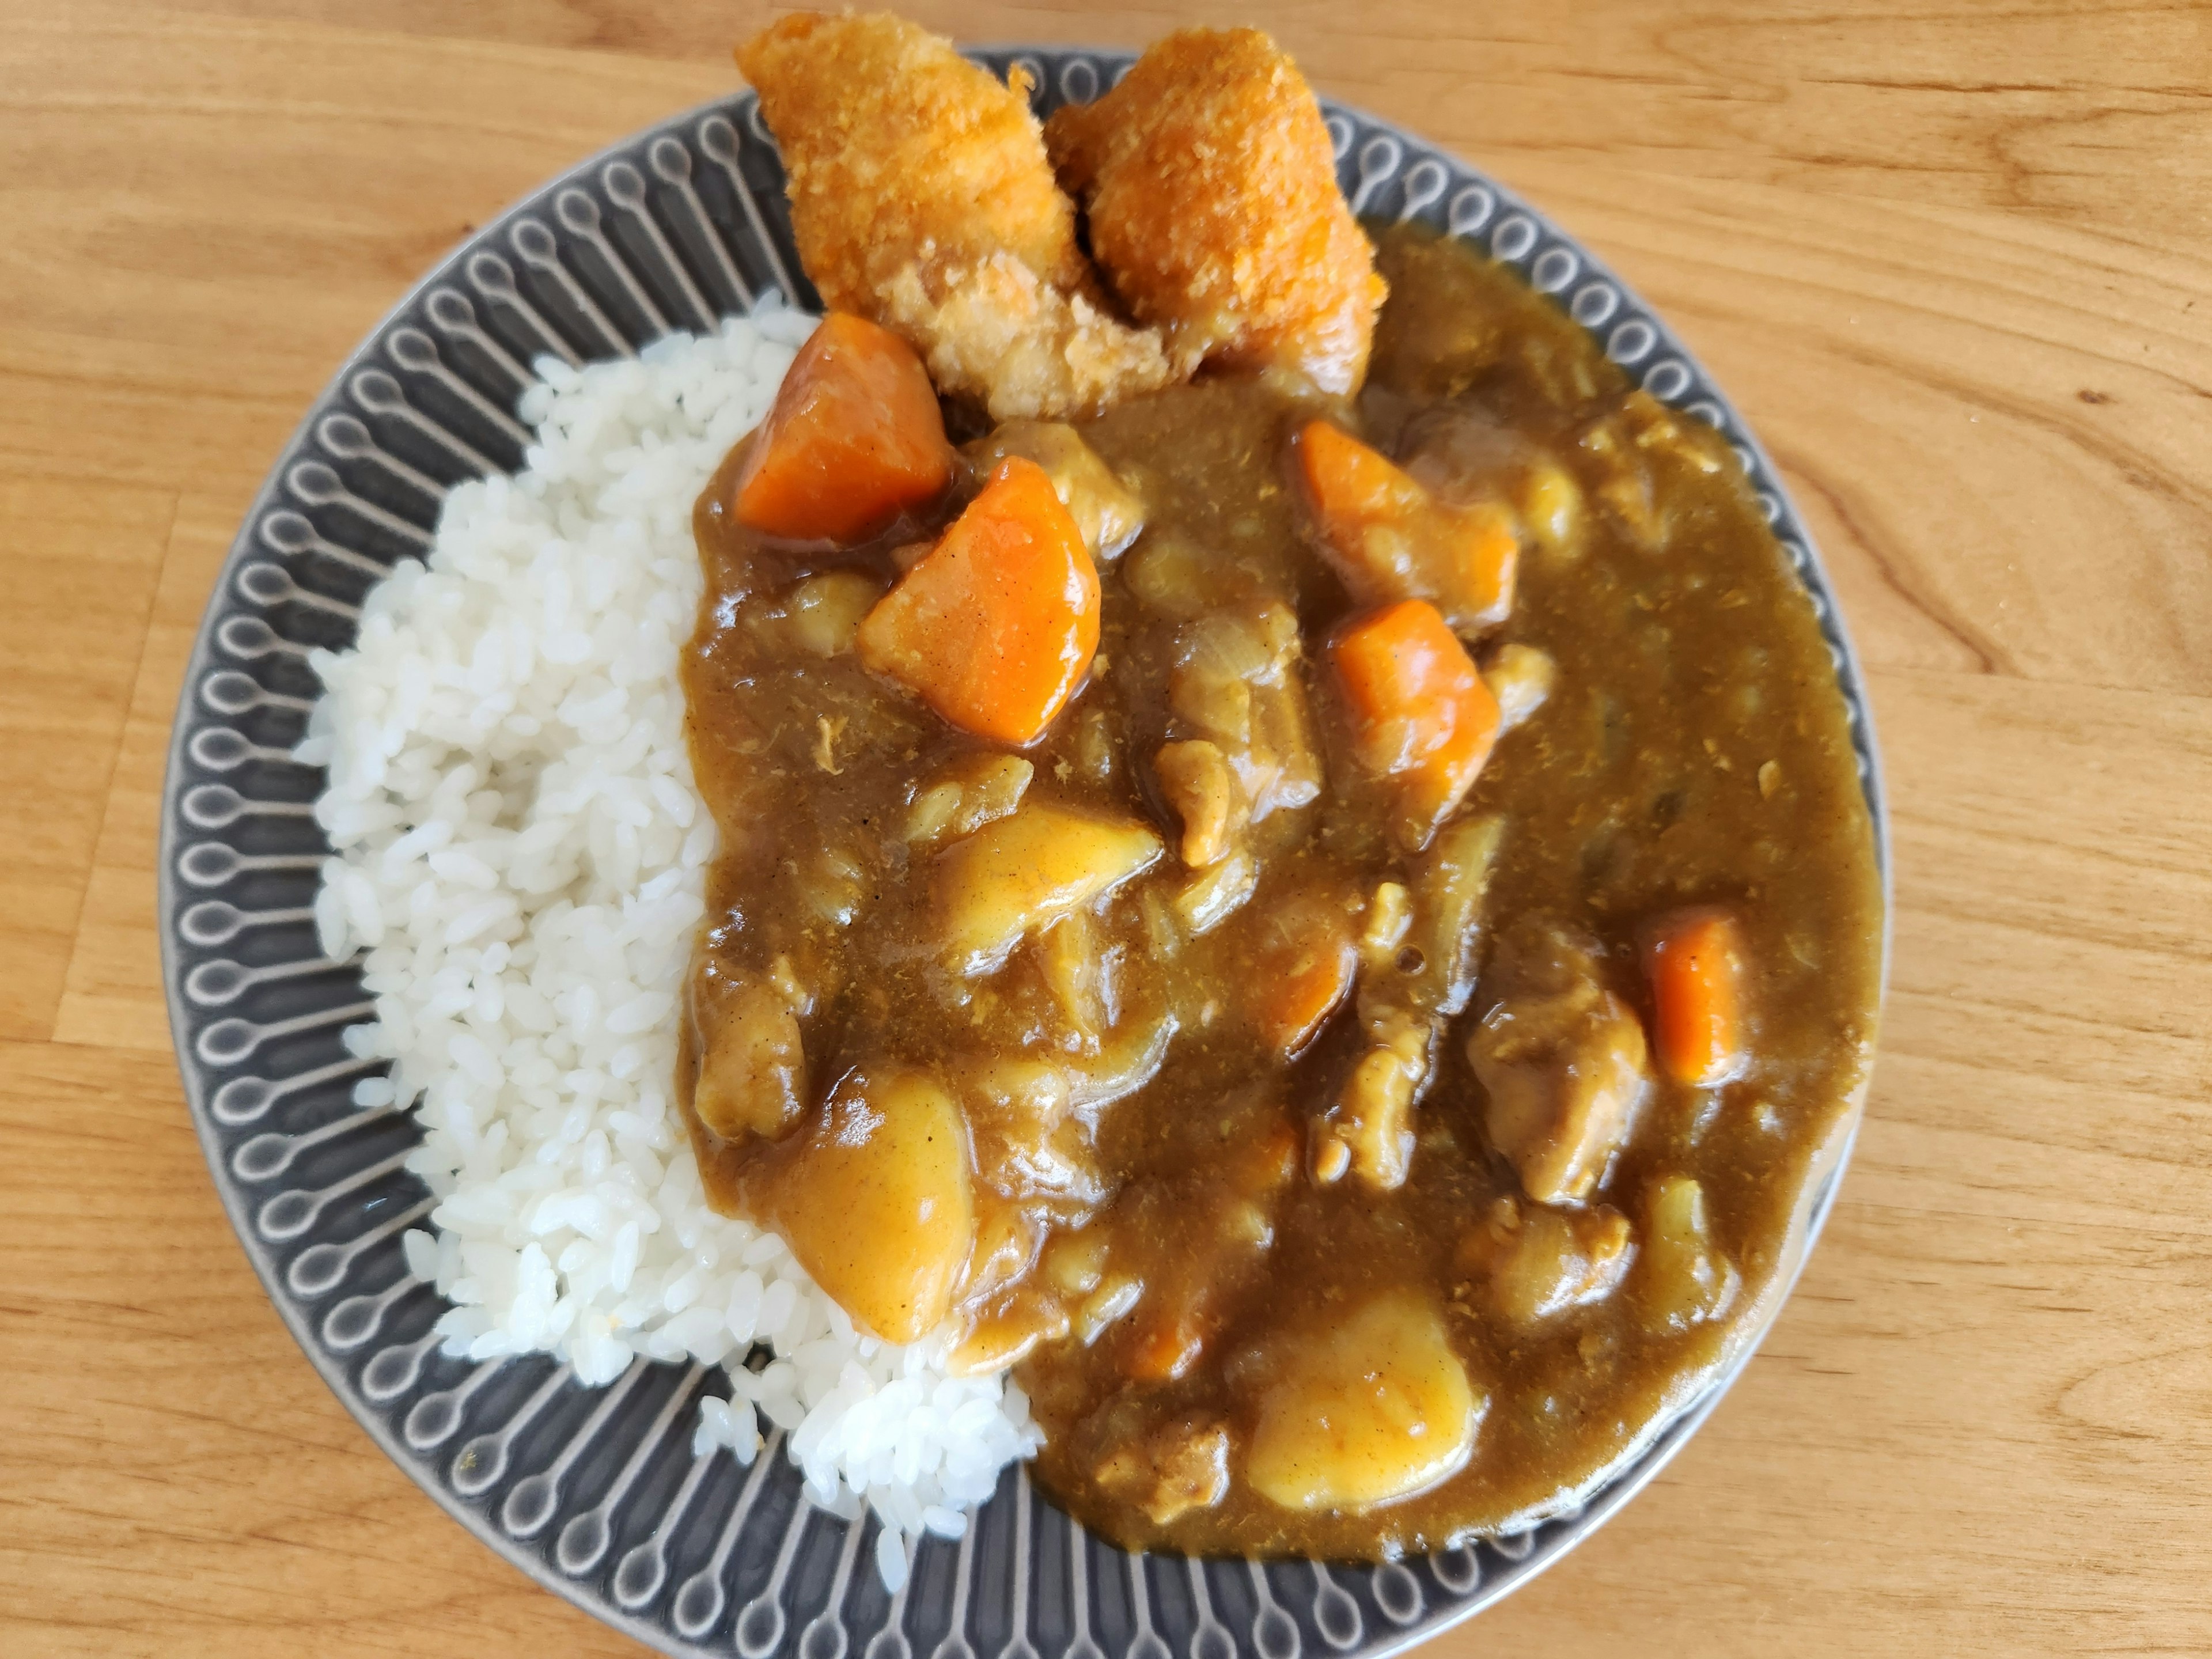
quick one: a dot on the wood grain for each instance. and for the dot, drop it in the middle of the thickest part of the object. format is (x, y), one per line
(1953, 261)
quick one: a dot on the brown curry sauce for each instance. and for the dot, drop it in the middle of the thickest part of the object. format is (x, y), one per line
(1693, 749)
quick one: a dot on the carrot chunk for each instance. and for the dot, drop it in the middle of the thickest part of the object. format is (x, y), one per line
(1420, 713)
(1696, 960)
(1168, 1346)
(996, 626)
(855, 439)
(1301, 961)
(1299, 1003)
(1388, 538)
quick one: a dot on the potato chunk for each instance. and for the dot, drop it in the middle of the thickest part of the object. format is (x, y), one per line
(1685, 1279)
(1374, 1408)
(1521, 678)
(1105, 509)
(877, 1202)
(824, 613)
(1023, 872)
(1534, 1261)
(972, 792)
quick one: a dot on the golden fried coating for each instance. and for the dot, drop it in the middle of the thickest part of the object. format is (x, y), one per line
(1214, 210)
(921, 196)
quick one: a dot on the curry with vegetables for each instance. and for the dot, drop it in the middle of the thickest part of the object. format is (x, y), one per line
(1318, 905)
(1334, 935)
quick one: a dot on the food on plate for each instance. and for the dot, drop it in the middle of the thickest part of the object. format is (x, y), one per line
(1696, 962)
(1389, 539)
(1286, 929)
(1209, 185)
(855, 439)
(1418, 712)
(920, 197)
(994, 627)
(520, 860)
(1386, 944)
(1371, 1406)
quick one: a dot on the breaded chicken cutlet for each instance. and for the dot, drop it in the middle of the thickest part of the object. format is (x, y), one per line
(921, 197)
(1210, 185)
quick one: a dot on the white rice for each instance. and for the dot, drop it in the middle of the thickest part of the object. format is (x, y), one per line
(520, 856)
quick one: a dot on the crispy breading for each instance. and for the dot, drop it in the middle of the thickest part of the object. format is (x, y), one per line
(920, 197)
(1214, 211)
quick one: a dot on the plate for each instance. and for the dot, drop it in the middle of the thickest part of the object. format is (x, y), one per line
(596, 1493)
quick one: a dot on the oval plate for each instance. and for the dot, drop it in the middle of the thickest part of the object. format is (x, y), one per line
(597, 1493)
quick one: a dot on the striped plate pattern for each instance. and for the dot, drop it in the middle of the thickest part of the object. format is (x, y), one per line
(597, 1492)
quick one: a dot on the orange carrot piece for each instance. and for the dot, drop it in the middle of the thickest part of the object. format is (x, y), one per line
(1421, 713)
(1388, 538)
(1167, 1347)
(995, 627)
(1696, 960)
(855, 439)
(1312, 984)
(1349, 485)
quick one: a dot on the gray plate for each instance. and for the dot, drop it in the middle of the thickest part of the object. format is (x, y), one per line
(595, 1493)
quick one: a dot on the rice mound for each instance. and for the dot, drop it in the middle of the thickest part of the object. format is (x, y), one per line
(520, 856)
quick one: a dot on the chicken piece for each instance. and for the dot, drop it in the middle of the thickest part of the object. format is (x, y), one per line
(1564, 1062)
(1196, 782)
(1211, 186)
(1370, 1129)
(1106, 510)
(1414, 977)
(1373, 1407)
(1170, 1472)
(752, 1064)
(1534, 1261)
(920, 197)
(1632, 445)
(1565, 1076)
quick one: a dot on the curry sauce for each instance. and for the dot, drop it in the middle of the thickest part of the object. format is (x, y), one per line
(1321, 1152)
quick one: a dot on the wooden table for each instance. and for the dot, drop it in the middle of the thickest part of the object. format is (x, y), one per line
(1953, 266)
